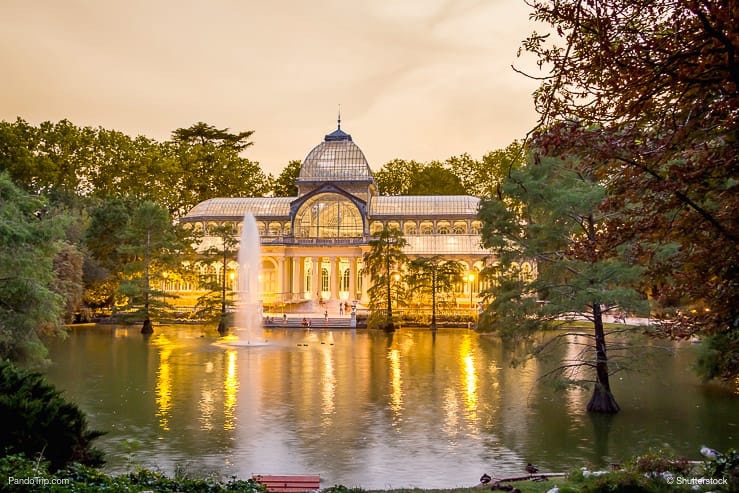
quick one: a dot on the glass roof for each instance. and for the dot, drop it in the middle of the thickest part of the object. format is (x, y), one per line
(235, 208)
(424, 205)
(336, 160)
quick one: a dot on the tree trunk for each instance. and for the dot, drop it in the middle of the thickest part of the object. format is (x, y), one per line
(147, 328)
(602, 400)
(389, 326)
(433, 300)
(223, 325)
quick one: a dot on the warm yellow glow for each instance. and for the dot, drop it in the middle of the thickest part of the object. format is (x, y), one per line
(471, 277)
(165, 274)
(163, 391)
(232, 275)
(397, 277)
(206, 406)
(396, 381)
(470, 376)
(328, 385)
(230, 388)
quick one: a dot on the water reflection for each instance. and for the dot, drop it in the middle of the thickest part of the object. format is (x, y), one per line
(164, 388)
(230, 389)
(414, 408)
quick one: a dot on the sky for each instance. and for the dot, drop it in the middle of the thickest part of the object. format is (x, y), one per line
(414, 79)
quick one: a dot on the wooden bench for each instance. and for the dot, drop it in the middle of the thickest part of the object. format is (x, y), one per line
(288, 484)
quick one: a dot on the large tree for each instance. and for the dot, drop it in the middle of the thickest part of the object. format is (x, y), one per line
(210, 165)
(151, 246)
(580, 271)
(431, 275)
(214, 304)
(284, 184)
(384, 258)
(646, 94)
(29, 307)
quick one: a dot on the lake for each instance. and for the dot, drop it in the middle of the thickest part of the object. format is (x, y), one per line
(363, 408)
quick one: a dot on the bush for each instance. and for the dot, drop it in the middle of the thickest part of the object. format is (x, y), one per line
(39, 422)
(83, 479)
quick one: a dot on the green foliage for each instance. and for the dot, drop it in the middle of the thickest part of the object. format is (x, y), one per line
(433, 275)
(558, 226)
(384, 258)
(29, 307)
(38, 421)
(717, 355)
(284, 184)
(151, 245)
(83, 479)
(665, 146)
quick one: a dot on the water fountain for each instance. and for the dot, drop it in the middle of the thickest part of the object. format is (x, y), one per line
(248, 313)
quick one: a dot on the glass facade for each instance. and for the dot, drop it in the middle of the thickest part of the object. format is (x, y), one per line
(328, 215)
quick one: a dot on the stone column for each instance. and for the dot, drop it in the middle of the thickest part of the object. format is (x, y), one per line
(334, 278)
(352, 279)
(315, 278)
(279, 279)
(365, 285)
(298, 278)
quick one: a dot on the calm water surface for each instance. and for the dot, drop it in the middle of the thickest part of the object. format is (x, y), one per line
(369, 409)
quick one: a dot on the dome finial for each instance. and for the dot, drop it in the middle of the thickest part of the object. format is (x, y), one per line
(339, 120)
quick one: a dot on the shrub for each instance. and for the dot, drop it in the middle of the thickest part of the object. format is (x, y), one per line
(39, 422)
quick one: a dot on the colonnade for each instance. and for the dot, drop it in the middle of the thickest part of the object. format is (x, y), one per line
(302, 277)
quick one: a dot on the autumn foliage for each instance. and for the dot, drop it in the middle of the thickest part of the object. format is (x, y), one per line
(644, 93)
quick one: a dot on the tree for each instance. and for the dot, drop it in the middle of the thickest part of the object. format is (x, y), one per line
(29, 307)
(645, 93)
(396, 176)
(431, 275)
(484, 178)
(434, 179)
(218, 294)
(581, 271)
(151, 246)
(284, 185)
(104, 267)
(203, 134)
(38, 421)
(209, 165)
(384, 257)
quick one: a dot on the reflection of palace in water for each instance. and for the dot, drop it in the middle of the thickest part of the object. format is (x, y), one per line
(312, 244)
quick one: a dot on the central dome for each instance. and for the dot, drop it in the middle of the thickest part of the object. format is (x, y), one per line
(336, 159)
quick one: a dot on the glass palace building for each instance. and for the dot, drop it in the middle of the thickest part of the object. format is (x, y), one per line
(312, 245)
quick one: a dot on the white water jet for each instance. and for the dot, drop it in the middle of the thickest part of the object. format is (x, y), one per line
(248, 314)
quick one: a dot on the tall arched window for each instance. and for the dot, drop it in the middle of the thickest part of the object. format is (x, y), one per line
(324, 279)
(328, 215)
(345, 280)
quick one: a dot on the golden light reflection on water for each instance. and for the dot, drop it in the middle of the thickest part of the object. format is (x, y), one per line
(328, 385)
(163, 390)
(230, 389)
(396, 382)
(469, 374)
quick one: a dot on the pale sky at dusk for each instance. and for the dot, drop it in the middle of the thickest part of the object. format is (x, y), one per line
(416, 79)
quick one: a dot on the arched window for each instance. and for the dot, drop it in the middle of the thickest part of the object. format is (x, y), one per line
(376, 226)
(345, 280)
(475, 227)
(275, 229)
(427, 228)
(410, 228)
(442, 228)
(324, 279)
(460, 228)
(328, 215)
